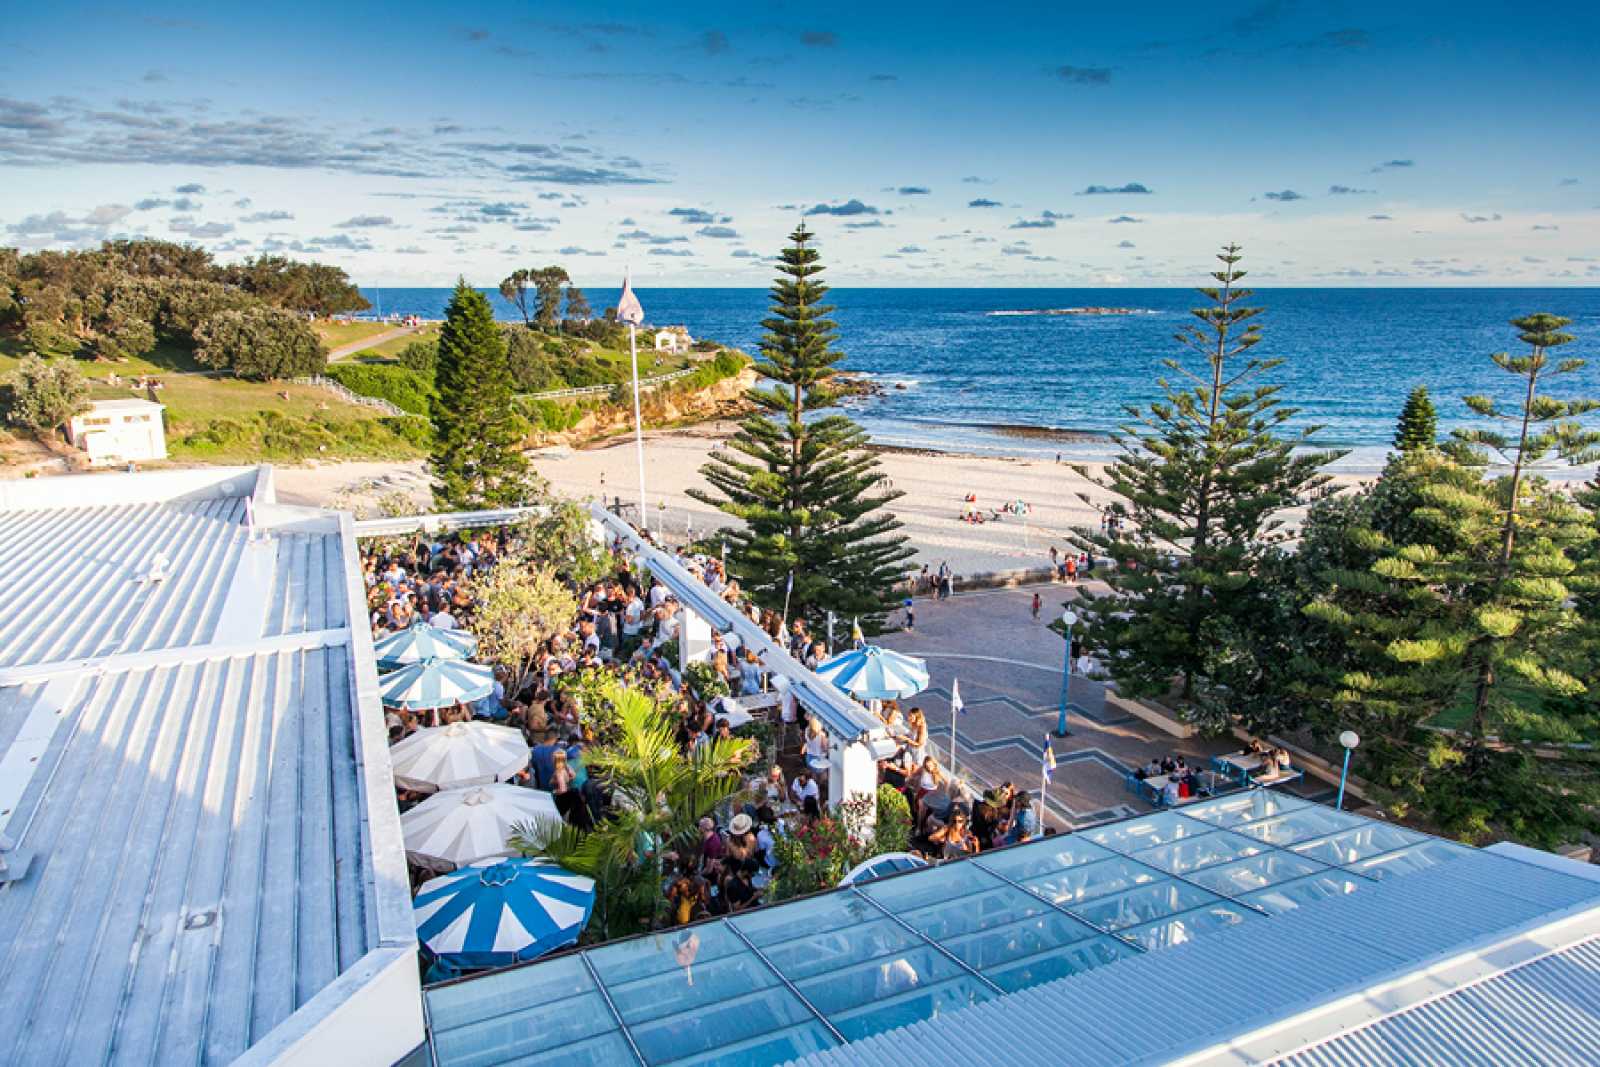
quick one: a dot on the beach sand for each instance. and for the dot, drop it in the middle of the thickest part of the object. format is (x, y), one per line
(934, 485)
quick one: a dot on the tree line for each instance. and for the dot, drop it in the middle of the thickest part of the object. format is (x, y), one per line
(119, 300)
(1447, 611)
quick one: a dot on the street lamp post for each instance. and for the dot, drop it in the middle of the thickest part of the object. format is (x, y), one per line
(1068, 619)
(1349, 739)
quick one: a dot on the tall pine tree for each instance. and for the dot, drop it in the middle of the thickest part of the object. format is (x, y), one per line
(1456, 609)
(1201, 477)
(477, 461)
(1418, 426)
(809, 494)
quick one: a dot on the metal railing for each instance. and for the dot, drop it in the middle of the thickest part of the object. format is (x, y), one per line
(343, 392)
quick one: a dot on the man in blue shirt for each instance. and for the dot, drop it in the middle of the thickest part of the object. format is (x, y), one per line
(544, 760)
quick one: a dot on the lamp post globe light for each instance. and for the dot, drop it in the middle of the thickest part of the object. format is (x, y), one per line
(1069, 619)
(1349, 739)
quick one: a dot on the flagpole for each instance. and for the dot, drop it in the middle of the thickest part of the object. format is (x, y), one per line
(955, 706)
(784, 625)
(638, 423)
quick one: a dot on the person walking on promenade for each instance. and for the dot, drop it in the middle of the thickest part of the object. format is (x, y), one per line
(1036, 606)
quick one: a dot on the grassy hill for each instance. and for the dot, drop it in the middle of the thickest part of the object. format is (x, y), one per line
(215, 418)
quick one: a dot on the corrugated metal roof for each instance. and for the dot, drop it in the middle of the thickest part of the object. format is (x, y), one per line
(199, 868)
(1158, 1006)
(308, 593)
(73, 588)
(1547, 1011)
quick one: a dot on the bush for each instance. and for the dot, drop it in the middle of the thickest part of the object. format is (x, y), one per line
(412, 430)
(403, 388)
(420, 357)
(893, 830)
(40, 396)
(702, 678)
(260, 343)
(274, 435)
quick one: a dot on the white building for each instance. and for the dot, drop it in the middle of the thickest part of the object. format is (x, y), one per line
(120, 431)
(674, 340)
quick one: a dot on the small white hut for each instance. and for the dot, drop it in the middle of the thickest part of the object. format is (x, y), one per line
(120, 431)
(674, 340)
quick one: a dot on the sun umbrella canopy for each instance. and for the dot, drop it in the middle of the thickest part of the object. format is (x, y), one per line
(435, 683)
(419, 642)
(461, 826)
(499, 912)
(873, 673)
(460, 754)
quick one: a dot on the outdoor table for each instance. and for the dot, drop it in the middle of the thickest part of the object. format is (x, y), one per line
(1237, 764)
(1277, 777)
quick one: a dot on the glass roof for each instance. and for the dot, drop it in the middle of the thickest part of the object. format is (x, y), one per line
(783, 981)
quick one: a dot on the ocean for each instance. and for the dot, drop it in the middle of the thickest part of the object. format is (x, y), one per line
(993, 372)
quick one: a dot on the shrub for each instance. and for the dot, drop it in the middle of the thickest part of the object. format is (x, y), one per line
(40, 396)
(420, 357)
(412, 430)
(403, 388)
(260, 343)
(702, 678)
(893, 830)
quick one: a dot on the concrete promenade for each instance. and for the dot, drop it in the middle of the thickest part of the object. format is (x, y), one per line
(1010, 669)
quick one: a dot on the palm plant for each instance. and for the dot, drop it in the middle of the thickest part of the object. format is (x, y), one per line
(658, 795)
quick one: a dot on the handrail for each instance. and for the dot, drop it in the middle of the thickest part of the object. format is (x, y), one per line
(444, 522)
(844, 718)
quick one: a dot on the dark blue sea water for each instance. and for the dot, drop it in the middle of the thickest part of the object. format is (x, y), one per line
(964, 371)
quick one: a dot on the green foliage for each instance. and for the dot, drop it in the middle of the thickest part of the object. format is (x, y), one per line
(403, 388)
(810, 497)
(892, 830)
(820, 853)
(520, 604)
(314, 288)
(260, 343)
(273, 435)
(477, 460)
(533, 369)
(420, 357)
(1200, 478)
(659, 795)
(1419, 423)
(541, 289)
(1447, 597)
(551, 416)
(563, 539)
(704, 682)
(578, 309)
(41, 395)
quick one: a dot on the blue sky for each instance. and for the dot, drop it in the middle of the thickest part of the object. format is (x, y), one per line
(932, 144)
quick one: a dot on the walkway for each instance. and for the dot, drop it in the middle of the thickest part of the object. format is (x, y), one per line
(357, 347)
(1010, 672)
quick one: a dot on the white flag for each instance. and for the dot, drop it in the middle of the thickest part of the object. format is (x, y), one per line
(955, 698)
(628, 307)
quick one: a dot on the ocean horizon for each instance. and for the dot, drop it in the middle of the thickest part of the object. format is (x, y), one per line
(1009, 372)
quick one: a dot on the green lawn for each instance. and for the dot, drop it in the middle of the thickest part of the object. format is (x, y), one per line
(217, 419)
(339, 334)
(1532, 717)
(391, 348)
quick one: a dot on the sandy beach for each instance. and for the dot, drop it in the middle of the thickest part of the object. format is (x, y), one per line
(934, 485)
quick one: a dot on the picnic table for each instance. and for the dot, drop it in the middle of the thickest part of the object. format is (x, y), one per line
(1250, 768)
(1151, 789)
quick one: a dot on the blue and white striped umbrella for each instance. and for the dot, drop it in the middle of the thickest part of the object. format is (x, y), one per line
(435, 683)
(502, 911)
(873, 673)
(419, 642)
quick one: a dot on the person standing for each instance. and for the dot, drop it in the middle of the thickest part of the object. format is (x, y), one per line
(1037, 604)
(911, 614)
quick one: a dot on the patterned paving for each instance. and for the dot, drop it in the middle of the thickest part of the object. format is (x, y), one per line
(1009, 667)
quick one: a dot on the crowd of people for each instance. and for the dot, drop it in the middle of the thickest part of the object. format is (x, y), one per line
(629, 622)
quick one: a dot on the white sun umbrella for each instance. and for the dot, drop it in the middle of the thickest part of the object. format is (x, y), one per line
(460, 826)
(460, 754)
